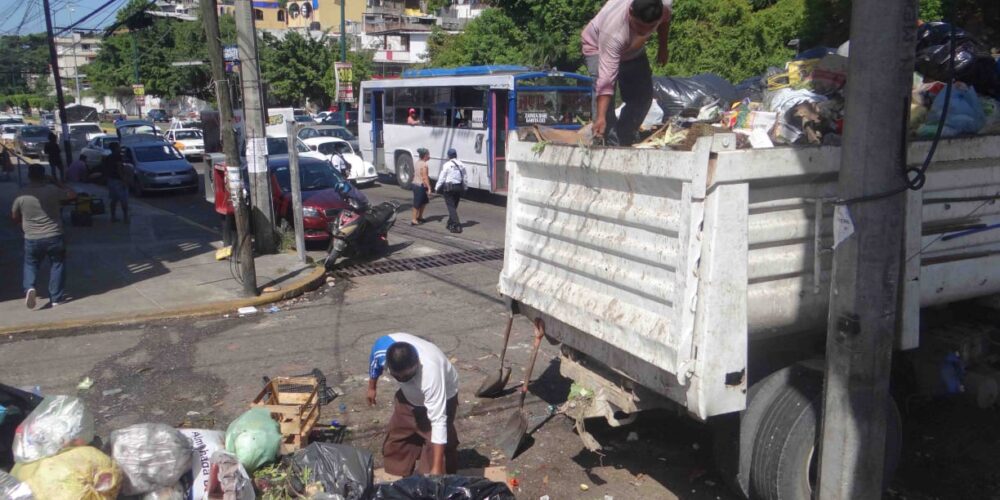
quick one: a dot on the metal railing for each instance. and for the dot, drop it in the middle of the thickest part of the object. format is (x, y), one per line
(18, 162)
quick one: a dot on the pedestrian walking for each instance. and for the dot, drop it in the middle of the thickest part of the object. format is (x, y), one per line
(54, 153)
(113, 169)
(451, 183)
(614, 46)
(36, 209)
(6, 166)
(421, 188)
(421, 433)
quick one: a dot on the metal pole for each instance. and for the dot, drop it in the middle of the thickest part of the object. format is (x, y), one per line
(293, 171)
(60, 99)
(254, 128)
(343, 57)
(866, 268)
(76, 65)
(135, 63)
(244, 244)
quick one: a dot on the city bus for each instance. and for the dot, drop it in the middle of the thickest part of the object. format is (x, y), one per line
(470, 109)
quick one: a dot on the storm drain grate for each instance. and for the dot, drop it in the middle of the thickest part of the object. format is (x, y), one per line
(418, 263)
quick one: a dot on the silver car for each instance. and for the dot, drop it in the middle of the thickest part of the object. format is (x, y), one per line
(154, 165)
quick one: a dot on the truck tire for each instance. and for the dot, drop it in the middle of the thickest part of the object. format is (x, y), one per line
(404, 170)
(785, 462)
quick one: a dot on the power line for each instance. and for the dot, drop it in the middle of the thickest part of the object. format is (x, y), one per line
(88, 16)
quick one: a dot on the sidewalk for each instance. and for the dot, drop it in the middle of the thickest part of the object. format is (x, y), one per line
(160, 265)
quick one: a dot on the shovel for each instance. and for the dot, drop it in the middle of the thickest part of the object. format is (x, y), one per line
(493, 385)
(517, 425)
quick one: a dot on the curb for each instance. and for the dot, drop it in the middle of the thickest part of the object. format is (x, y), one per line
(307, 283)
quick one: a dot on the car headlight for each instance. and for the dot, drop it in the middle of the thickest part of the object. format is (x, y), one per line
(310, 212)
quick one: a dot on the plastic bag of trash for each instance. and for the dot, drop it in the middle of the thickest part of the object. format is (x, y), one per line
(973, 63)
(12, 489)
(254, 437)
(175, 492)
(676, 95)
(443, 488)
(152, 456)
(205, 444)
(340, 469)
(57, 423)
(653, 119)
(18, 405)
(965, 113)
(228, 479)
(80, 473)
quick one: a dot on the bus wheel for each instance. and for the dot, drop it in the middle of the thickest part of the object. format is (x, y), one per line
(404, 170)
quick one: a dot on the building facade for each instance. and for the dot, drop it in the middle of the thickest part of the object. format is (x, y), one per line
(314, 15)
(73, 52)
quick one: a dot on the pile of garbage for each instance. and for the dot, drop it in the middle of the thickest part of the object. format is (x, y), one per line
(803, 103)
(51, 443)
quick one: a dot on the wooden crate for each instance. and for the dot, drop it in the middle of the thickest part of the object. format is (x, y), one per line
(294, 404)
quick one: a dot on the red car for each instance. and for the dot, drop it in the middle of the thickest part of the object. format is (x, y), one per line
(320, 201)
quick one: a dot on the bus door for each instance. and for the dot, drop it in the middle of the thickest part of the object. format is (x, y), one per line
(377, 138)
(498, 139)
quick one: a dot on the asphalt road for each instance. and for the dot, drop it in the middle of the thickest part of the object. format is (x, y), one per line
(207, 371)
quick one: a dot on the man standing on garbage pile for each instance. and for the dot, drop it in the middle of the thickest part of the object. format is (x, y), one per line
(614, 45)
(422, 425)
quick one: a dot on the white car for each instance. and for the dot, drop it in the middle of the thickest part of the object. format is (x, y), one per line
(189, 141)
(89, 130)
(362, 172)
(8, 132)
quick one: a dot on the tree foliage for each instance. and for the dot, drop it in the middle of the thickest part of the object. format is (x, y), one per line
(20, 58)
(492, 38)
(296, 68)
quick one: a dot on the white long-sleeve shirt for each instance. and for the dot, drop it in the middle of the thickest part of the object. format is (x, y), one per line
(453, 172)
(431, 387)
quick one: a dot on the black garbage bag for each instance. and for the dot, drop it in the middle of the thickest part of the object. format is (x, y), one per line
(752, 88)
(18, 405)
(443, 488)
(679, 95)
(341, 469)
(973, 63)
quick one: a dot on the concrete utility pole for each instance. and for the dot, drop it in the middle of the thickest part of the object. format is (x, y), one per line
(293, 171)
(76, 64)
(254, 127)
(343, 57)
(866, 268)
(244, 246)
(60, 99)
(135, 69)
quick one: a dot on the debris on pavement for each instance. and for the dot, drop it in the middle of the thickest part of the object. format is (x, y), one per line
(632, 437)
(111, 392)
(254, 437)
(246, 311)
(204, 443)
(80, 472)
(584, 487)
(152, 456)
(12, 489)
(85, 384)
(443, 488)
(228, 479)
(59, 422)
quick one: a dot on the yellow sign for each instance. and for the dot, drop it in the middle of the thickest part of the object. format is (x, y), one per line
(139, 89)
(345, 81)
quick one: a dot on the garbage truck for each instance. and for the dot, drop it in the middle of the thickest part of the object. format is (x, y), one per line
(700, 280)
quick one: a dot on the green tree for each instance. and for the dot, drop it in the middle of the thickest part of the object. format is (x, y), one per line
(296, 68)
(21, 56)
(491, 38)
(552, 28)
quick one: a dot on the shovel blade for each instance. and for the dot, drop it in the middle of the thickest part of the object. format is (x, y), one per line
(512, 433)
(494, 384)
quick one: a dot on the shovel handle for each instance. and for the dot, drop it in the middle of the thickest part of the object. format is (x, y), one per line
(539, 333)
(506, 338)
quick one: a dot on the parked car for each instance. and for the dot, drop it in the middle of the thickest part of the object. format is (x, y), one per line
(125, 128)
(48, 120)
(11, 120)
(335, 131)
(278, 146)
(81, 133)
(158, 115)
(155, 165)
(362, 172)
(8, 132)
(189, 141)
(351, 124)
(96, 151)
(320, 201)
(112, 114)
(30, 140)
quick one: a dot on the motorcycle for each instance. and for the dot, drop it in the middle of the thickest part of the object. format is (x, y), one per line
(360, 231)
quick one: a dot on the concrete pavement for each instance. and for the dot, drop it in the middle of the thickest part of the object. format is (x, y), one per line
(159, 265)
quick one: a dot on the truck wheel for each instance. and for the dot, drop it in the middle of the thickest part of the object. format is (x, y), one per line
(404, 170)
(785, 461)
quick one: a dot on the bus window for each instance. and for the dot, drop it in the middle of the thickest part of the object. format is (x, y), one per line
(470, 108)
(552, 107)
(366, 104)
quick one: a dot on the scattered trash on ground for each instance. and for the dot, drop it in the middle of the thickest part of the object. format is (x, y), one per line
(85, 384)
(59, 422)
(152, 456)
(246, 311)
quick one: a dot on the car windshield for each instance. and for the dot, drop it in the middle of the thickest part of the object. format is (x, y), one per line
(304, 119)
(187, 134)
(279, 146)
(138, 129)
(313, 174)
(339, 133)
(165, 152)
(34, 131)
(107, 142)
(86, 129)
(10, 130)
(332, 148)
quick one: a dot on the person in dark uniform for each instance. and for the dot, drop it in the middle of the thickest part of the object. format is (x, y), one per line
(54, 153)
(113, 169)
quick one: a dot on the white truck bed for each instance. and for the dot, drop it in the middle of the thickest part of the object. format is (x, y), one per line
(662, 265)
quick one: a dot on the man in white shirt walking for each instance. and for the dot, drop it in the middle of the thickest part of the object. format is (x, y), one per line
(422, 427)
(451, 183)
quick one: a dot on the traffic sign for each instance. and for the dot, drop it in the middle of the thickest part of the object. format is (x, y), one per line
(139, 89)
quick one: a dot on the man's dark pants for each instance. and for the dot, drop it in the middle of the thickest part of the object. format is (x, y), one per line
(35, 251)
(409, 439)
(635, 82)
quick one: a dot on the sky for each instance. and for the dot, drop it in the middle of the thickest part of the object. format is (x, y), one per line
(26, 16)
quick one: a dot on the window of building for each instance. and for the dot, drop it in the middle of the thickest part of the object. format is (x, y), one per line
(281, 16)
(306, 10)
(293, 10)
(258, 14)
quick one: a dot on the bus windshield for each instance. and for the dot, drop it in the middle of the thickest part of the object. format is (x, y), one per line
(550, 107)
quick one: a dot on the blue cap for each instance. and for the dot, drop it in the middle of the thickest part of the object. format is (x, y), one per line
(452, 153)
(343, 187)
